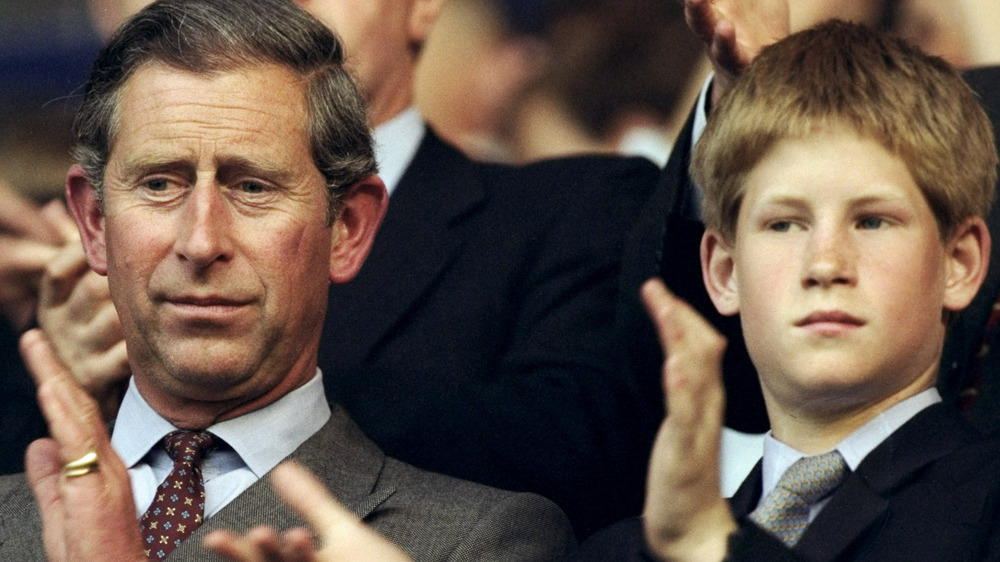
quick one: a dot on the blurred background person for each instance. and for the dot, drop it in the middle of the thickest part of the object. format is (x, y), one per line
(523, 80)
(45, 49)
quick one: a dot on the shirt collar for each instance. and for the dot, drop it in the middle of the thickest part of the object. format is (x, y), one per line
(396, 142)
(778, 457)
(262, 438)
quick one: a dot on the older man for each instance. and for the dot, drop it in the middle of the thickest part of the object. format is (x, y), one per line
(226, 177)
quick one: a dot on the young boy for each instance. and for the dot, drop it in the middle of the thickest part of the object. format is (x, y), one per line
(845, 178)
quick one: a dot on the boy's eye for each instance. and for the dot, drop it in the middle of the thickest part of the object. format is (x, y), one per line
(780, 226)
(870, 223)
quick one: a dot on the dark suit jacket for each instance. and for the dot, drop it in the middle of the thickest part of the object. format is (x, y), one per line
(665, 243)
(476, 340)
(929, 492)
(959, 363)
(430, 516)
(20, 419)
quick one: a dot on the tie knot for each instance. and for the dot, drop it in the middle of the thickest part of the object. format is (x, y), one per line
(813, 478)
(187, 446)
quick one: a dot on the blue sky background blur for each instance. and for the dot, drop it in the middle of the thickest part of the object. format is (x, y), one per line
(45, 49)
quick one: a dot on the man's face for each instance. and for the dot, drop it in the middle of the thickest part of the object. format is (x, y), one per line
(214, 235)
(840, 276)
(378, 39)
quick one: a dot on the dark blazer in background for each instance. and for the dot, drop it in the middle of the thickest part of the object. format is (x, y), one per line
(928, 492)
(477, 339)
(665, 243)
(959, 363)
(21, 421)
(430, 516)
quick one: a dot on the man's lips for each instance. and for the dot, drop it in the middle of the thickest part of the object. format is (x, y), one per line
(207, 300)
(206, 306)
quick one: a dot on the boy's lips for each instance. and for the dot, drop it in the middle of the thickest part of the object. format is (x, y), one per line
(829, 318)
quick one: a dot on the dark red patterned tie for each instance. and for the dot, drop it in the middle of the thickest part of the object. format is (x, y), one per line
(179, 504)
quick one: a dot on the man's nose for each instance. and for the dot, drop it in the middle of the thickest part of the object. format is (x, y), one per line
(205, 230)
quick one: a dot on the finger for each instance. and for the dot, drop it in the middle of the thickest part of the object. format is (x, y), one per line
(24, 257)
(701, 19)
(298, 545)
(22, 218)
(73, 417)
(309, 498)
(232, 547)
(62, 273)
(43, 466)
(725, 50)
(59, 219)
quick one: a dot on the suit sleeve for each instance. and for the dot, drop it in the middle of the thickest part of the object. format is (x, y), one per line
(523, 527)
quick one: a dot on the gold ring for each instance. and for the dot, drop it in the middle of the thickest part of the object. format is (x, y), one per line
(83, 465)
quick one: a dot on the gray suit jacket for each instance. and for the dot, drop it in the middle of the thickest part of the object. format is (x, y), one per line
(430, 516)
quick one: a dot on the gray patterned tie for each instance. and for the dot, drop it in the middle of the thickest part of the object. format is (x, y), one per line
(785, 511)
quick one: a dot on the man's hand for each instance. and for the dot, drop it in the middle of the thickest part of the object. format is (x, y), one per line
(342, 537)
(30, 236)
(735, 31)
(90, 516)
(80, 321)
(685, 518)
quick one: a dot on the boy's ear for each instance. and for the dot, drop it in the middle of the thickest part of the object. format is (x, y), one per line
(719, 274)
(89, 216)
(967, 257)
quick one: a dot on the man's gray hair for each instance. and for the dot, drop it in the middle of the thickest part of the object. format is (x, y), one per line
(213, 36)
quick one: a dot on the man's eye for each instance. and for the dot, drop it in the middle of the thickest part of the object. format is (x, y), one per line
(252, 187)
(157, 184)
(780, 226)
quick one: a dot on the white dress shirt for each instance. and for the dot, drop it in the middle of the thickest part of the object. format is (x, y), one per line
(257, 442)
(396, 143)
(778, 457)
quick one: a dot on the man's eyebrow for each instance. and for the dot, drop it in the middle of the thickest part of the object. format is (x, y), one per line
(233, 165)
(135, 167)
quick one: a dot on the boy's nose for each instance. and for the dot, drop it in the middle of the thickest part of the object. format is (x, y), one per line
(828, 261)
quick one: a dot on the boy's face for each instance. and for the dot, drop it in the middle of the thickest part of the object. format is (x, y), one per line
(840, 276)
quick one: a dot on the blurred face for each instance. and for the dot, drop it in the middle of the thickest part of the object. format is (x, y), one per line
(380, 48)
(934, 26)
(807, 13)
(214, 237)
(839, 275)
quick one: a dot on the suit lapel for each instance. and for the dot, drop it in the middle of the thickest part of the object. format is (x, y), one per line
(338, 454)
(419, 237)
(862, 501)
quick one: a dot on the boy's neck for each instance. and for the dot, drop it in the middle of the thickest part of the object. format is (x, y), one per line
(814, 431)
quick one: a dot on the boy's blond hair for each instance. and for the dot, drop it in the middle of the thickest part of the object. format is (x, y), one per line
(839, 74)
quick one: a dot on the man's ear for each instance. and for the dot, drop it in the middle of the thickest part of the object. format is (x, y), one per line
(362, 209)
(89, 216)
(718, 273)
(967, 257)
(423, 14)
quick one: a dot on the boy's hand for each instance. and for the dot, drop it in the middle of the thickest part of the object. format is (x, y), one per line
(342, 537)
(685, 518)
(89, 515)
(735, 31)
